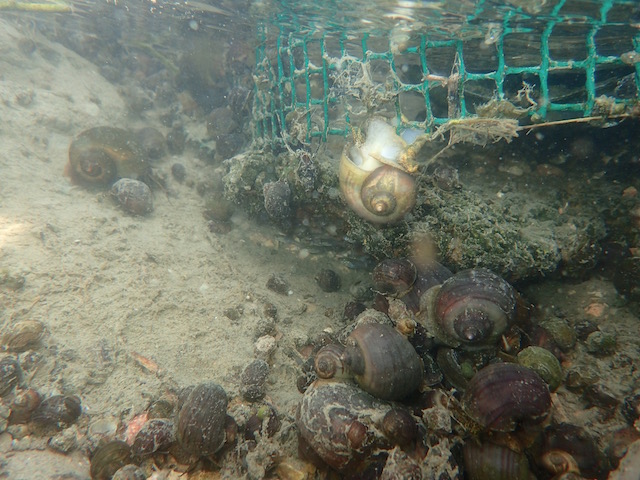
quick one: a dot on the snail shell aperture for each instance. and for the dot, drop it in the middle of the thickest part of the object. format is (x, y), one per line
(373, 181)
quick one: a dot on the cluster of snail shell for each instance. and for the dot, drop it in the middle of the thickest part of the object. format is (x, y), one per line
(376, 174)
(372, 385)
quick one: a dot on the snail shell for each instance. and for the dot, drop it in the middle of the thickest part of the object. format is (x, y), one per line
(394, 276)
(501, 395)
(22, 335)
(383, 362)
(335, 419)
(201, 422)
(58, 411)
(494, 462)
(544, 363)
(23, 405)
(156, 435)
(402, 278)
(134, 196)
(473, 308)
(373, 183)
(109, 458)
(100, 155)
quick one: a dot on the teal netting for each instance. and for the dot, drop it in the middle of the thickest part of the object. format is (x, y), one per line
(541, 61)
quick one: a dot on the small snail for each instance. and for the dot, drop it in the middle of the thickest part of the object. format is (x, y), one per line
(101, 155)
(472, 308)
(401, 278)
(375, 175)
(381, 360)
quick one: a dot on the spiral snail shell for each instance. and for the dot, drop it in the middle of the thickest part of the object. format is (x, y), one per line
(374, 175)
(378, 357)
(101, 155)
(472, 308)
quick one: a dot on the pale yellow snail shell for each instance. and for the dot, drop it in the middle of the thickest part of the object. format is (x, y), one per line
(372, 181)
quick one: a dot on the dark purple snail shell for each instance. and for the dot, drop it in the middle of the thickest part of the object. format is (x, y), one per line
(501, 395)
(474, 307)
(335, 421)
(383, 361)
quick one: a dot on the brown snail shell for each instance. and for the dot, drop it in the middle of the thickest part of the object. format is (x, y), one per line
(329, 362)
(201, 422)
(472, 308)
(394, 276)
(23, 405)
(382, 361)
(501, 395)
(100, 155)
(335, 419)
(22, 335)
(399, 426)
(494, 462)
(58, 411)
(109, 458)
(373, 180)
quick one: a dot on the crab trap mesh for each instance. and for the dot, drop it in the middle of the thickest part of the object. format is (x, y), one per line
(322, 68)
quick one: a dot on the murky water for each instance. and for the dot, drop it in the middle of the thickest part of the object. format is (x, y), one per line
(298, 240)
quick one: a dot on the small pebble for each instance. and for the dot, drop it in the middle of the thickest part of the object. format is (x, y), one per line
(129, 472)
(264, 347)
(178, 171)
(601, 343)
(253, 379)
(278, 284)
(328, 280)
(133, 196)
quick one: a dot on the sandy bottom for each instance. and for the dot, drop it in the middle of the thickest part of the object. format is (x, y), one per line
(112, 289)
(134, 306)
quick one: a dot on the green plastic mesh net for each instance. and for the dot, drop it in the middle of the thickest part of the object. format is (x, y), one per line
(322, 68)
